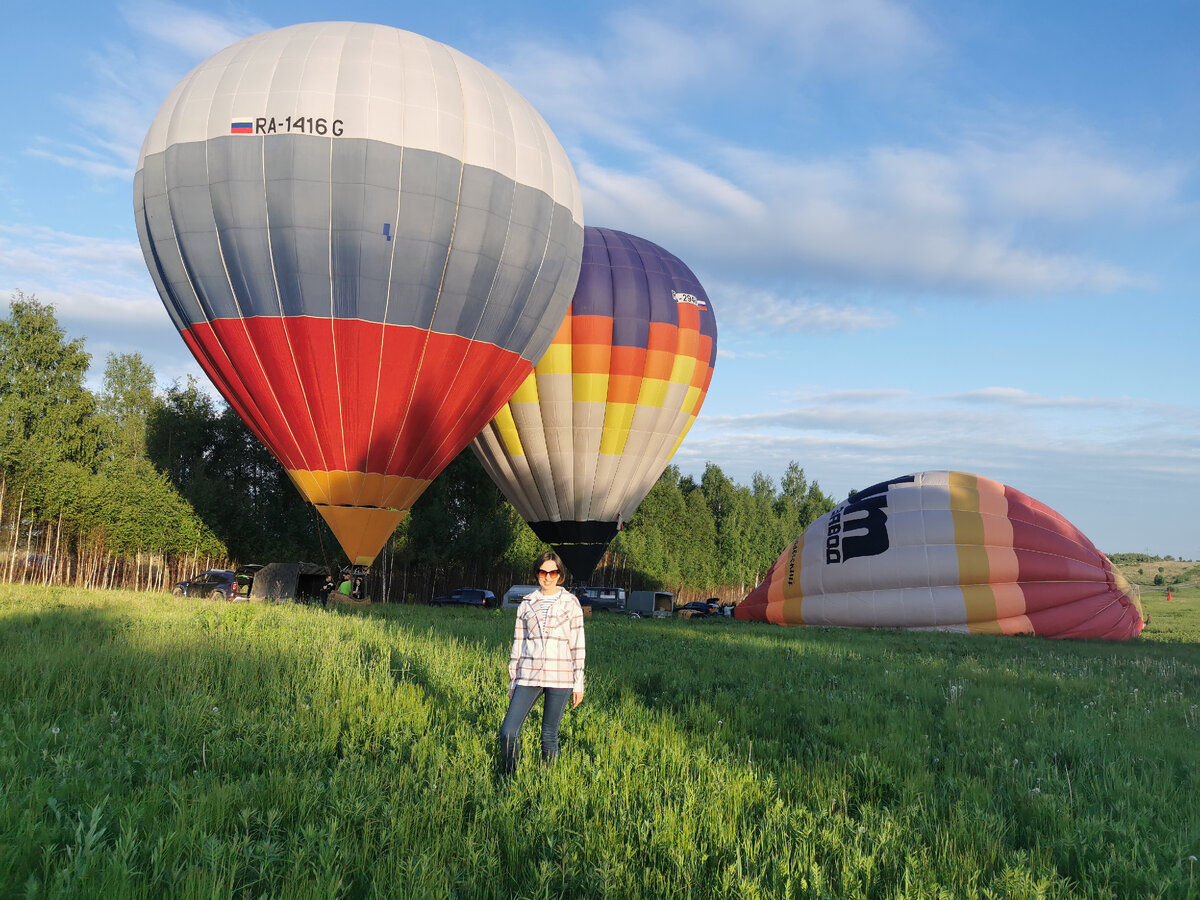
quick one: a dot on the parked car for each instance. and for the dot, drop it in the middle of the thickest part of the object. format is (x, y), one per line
(699, 608)
(219, 584)
(467, 597)
(215, 584)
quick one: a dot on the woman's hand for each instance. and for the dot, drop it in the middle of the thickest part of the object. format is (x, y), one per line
(576, 698)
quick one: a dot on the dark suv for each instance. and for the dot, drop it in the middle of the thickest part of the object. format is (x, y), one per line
(467, 597)
(219, 584)
(216, 584)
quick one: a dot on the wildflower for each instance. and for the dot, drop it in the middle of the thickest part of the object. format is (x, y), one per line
(1036, 790)
(54, 730)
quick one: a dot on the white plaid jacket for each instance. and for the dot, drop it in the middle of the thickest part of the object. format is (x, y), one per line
(551, 655)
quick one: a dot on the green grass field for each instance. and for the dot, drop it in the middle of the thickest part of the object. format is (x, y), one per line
(153, 747)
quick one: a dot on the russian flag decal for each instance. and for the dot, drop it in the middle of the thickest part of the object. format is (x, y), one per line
(241, 126)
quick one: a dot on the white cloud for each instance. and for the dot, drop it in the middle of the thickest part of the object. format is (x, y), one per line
(54, 258)
(1007, 210)
(843, 418)
(921, 218)
(662, 54)
(130, 80)
(641, 65)
(856, 396)
(195, 33)
(1059, 179)
(1002, 396)
(747, 309)
(867, 35)
(1101, 472)
(100, 290)
(105, 163)
(857, 222)
(871, 434)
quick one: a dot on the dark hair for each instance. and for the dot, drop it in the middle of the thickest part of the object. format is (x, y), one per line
(551, 556)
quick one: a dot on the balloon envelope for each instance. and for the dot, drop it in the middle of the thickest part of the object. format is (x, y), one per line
(947, 551)
(585, 437)
(367, 239)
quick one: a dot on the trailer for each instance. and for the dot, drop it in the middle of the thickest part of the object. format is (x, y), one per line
(658, 604)
(300, 581)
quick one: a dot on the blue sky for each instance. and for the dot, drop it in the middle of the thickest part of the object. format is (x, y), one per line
(936, 234)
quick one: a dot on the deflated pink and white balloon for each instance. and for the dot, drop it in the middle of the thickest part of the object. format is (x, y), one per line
(947, 551)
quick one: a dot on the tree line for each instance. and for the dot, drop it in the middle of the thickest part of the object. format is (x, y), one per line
(133, 485)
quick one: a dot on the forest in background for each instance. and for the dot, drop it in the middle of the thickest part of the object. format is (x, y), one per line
(135, 486)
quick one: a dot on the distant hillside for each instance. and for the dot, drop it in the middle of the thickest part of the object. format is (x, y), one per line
(1142, 569)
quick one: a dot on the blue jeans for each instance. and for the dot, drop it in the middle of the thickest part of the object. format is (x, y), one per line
(519, 706)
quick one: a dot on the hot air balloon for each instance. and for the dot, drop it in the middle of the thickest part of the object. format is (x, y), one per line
(367, 239)
(947, 551)
(585, 437)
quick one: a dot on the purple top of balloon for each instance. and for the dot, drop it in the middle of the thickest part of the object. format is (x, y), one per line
(636, 282)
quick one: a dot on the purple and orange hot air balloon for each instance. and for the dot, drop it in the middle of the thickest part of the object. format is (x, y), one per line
(947, 551)
(367, 239)
(585, 437)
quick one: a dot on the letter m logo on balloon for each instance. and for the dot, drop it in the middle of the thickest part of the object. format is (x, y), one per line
(864, 521)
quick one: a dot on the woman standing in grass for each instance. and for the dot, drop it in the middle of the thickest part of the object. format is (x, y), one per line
(546, 660)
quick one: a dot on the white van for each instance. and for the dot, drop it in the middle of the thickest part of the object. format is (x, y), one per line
(515, 594)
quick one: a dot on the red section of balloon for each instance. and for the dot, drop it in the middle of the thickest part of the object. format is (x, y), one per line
(347, 395)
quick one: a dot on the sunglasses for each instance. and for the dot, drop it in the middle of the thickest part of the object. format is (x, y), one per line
(548, 572)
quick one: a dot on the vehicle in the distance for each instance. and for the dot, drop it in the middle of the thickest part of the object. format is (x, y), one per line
(467, 597)
(601, 599)
(515, 594)
(215, 584)
(700, 608)
(219, 584)
(245, 578)
(657, 604)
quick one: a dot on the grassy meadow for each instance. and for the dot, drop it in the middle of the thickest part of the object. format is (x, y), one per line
(152, 746)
